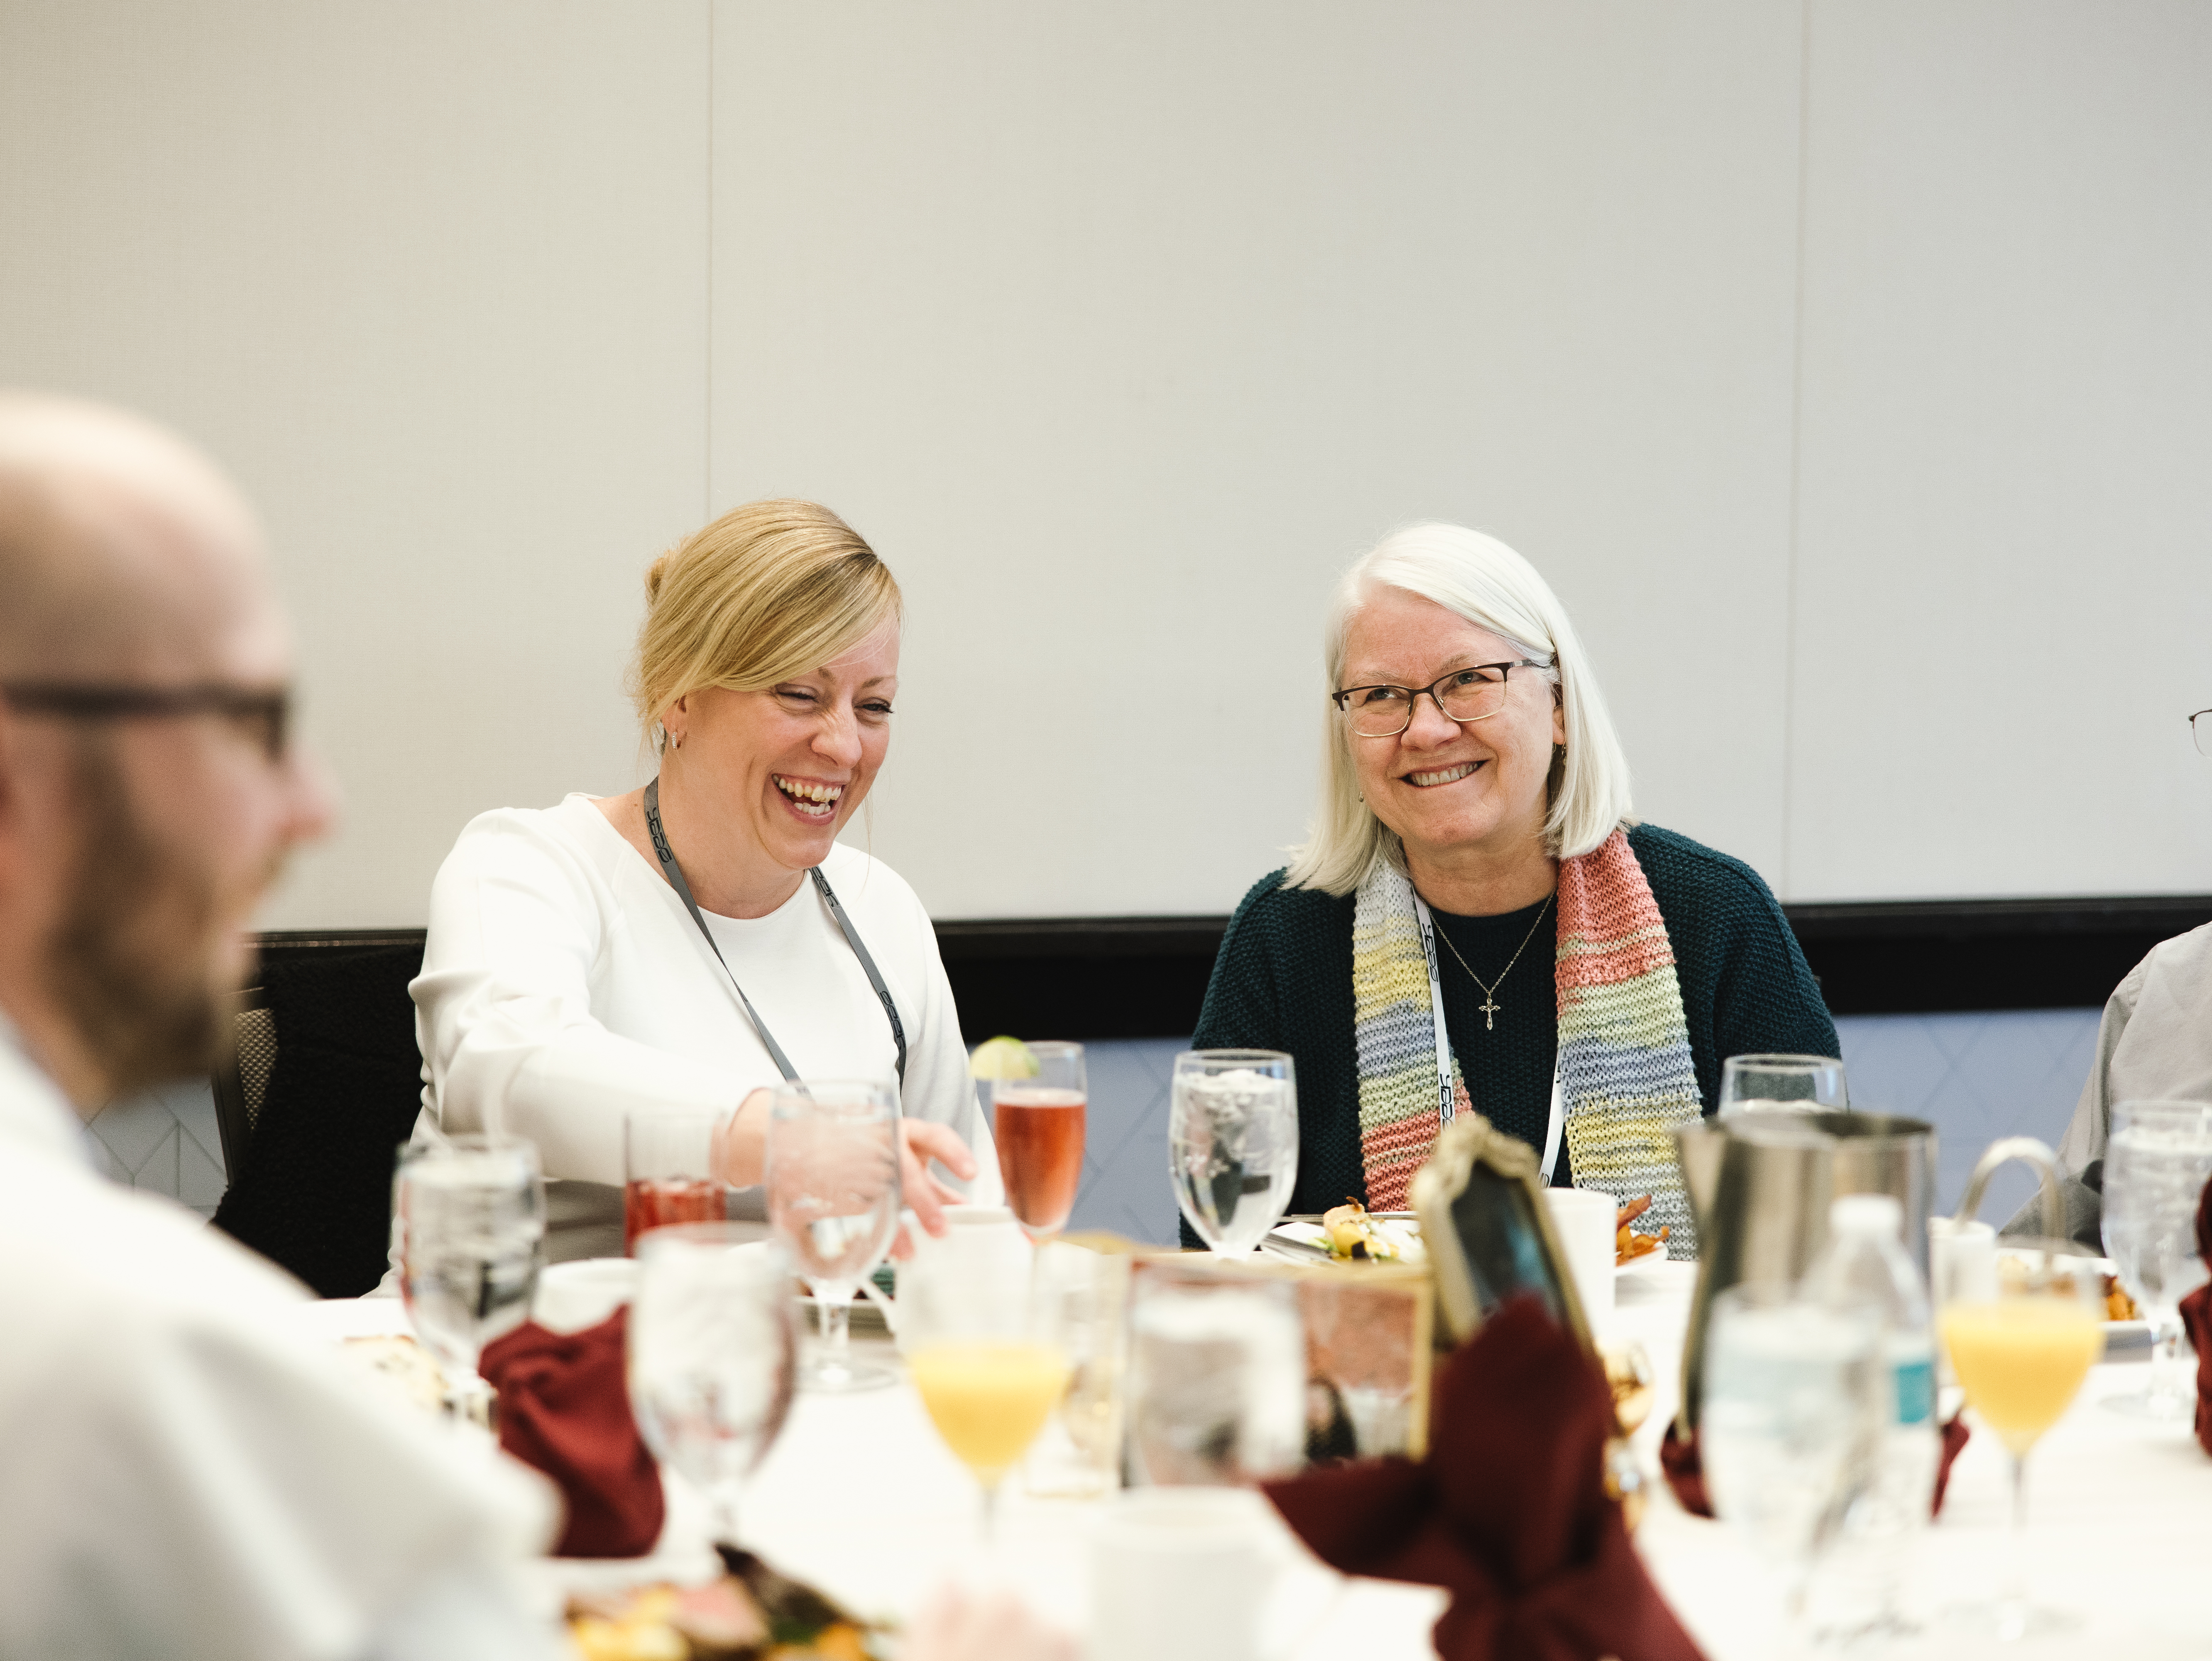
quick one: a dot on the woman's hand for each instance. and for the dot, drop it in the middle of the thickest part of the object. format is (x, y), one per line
(741, 1156)
(920, 1141)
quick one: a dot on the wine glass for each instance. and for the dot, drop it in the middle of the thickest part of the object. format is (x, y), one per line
(713, 1352)
(1038, 1124)
(468, 1223)
(833, 1196)
(986, 1347)
(1780, 1429)
(1233, 1143)
(1803, 1084)
(1216, 1375)
(2022, 1345)
(2156, 1166)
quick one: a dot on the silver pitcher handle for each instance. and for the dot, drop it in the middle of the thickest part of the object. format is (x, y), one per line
(2038, 1154)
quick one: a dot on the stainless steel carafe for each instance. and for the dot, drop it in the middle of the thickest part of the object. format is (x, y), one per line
(1759, 1184)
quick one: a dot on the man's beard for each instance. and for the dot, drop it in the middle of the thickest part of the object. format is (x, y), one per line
(132, 959)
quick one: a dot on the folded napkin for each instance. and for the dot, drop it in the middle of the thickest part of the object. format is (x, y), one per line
(564, 1409)
(2196, 1317)
(1509, 1512)
(1685, 1467)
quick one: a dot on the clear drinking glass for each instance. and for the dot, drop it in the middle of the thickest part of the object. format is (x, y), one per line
(2022, 1345)
(1216, 1375)
(1078, 1454)
(1233, 1143)
(1781, 1429)
(833, 1196)
(1804, 1084)
(1038, 1124)
(713, 1355)
(670, 1170)
(468, 1218)
(2156, 1165)
(986, 1349)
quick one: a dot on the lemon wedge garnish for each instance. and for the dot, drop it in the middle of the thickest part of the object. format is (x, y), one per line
(1002, 1058)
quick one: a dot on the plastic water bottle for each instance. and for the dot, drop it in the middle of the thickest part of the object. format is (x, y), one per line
(1865, 1261)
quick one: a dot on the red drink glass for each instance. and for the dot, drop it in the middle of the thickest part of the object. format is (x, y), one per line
(669, 1171)
(1038, 1124)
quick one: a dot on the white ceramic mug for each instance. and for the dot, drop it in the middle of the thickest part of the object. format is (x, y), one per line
(1180, 1574)
(1584, 1221)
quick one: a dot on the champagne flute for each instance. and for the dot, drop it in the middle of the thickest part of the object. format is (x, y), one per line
(833, 1196)
(2021, 1349)
(986, 1349)
(712, 1356)
(1038, 1124)
(2156, 1166)
(468, 1216)
(1780, 1427)
(1233, 1143)
(1799, 1084)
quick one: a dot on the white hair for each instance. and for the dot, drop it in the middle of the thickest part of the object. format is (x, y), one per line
(1481, 578)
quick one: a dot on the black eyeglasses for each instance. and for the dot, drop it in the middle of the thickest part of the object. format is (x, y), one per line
(266, 713)
(1475, 693)
(2200, 728)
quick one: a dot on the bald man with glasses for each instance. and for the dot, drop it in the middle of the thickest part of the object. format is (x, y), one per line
(184, 1475)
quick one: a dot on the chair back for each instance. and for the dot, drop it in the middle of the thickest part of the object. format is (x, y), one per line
(323, 1084)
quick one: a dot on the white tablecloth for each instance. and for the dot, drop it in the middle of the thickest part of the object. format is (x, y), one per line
(861, 1497)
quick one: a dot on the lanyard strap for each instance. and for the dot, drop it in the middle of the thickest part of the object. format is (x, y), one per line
(1556, 1119)
(674, 873)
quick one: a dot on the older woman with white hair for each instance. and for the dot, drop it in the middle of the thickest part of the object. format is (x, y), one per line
(1478, 923)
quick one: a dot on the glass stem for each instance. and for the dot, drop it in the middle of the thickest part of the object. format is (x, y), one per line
(723, 1502)
(2012, 1593)
(2165, 1361)
(836, 1330)
(990, 1515)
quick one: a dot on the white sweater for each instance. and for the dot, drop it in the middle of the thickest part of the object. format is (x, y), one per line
(564, 985)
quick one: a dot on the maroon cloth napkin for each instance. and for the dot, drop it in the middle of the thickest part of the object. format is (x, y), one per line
(2196, 1317)
(564, 1407)
(1685, 1469)
(1509, 1511)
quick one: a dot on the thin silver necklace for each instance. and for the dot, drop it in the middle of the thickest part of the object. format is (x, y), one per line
(1490, 1005)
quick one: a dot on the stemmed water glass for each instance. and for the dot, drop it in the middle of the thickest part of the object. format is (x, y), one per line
(1803, 1084)
(987, 1348)
(1780, 1428)
(833, 1196)
(1233, 1143)
(712, 1355)
(2021, 1342)
(1038, 1124)
(468, 1223)
(2156, 1166)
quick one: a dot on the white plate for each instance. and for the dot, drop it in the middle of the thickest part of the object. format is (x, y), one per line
(1637, 1265)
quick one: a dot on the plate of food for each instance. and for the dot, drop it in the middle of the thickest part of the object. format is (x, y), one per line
(1349, 1233)
(750, 1611)
(1633, 1252)
(2125, 1326)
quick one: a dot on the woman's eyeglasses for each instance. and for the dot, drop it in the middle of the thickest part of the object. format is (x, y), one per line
(1475, 693)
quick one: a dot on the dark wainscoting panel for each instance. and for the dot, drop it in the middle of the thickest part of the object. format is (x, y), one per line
(1145, 977)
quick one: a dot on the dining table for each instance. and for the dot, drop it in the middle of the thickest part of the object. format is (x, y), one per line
(859, 1496)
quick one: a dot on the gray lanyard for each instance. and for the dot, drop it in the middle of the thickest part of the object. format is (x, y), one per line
(674, 873)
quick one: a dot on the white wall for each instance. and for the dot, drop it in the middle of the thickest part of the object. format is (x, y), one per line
(1844, 369)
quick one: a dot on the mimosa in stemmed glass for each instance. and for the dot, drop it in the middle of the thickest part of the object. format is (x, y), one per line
(2020, 1355)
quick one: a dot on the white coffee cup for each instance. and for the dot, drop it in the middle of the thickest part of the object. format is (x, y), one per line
(1180, 1574)
(1584, 1221)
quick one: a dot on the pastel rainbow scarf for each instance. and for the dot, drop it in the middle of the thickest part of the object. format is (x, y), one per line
(1625, 1067)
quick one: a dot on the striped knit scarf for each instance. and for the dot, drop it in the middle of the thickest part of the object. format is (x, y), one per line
(1625, 1067)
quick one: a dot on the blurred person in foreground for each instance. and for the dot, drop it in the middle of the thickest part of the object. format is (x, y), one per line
(1474, 848)
(187, 1474)
(672, 949)
(2153, 1044)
